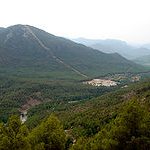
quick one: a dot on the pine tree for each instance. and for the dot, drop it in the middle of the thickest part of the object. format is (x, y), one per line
(13, 135)
(48, 135)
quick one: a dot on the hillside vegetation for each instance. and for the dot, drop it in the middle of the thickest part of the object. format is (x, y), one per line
(145, 60)
(30, 49)
(43, 77)
(118, 120)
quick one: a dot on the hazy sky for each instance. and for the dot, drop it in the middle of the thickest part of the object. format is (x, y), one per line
(120, 19)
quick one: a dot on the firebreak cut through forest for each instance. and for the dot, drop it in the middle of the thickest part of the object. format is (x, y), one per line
(74, 75)
(48, 99)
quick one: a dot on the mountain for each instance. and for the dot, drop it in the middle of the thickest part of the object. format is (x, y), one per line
(116, 46)
(97, 123)
(144, 60)
(26, 47)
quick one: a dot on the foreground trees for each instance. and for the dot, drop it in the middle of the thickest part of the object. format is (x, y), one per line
(129, 131)
(49, 135)
(13, 135)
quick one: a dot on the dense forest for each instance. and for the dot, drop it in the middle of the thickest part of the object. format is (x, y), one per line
(15, 93)
(129, 129)
(114, 120)
(47, 103)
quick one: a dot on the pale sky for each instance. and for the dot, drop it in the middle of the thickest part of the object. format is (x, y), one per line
(127, 20)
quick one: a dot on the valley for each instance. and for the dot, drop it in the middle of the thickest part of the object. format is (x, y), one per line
(46, 79)
(75, 75)
(33, 61)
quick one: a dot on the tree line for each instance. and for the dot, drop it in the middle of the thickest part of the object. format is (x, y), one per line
(130, 130)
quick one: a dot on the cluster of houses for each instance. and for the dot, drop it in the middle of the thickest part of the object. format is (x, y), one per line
(101, 82)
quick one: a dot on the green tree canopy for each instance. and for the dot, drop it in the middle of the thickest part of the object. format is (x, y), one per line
(129, 131)
(13, 135)
(48, 135)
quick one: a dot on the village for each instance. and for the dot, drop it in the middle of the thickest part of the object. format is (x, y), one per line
(101, 82)
(113, 80)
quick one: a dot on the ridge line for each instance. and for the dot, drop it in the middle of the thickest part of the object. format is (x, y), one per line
(56, 58)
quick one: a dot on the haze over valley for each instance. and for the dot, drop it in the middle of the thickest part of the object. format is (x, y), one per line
(62, 92)
(116, 46)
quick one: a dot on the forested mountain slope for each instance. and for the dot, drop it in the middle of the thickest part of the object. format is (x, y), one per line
(26, 47)
(118, 120)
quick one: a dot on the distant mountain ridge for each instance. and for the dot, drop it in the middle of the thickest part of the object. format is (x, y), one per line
(144, 60)
(24, 46)
(118, 46)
